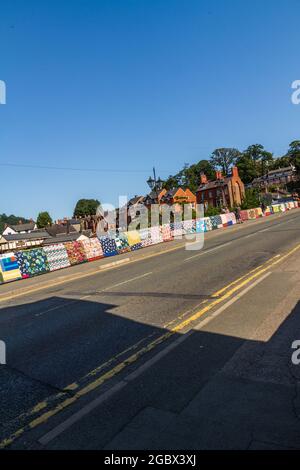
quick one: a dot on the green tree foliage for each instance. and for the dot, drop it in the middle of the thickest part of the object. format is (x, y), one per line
(43, 220)
(293, 154)
(11, 220)
(280, 162)
(224, 158)
(247, 169)
(251, 199)
(189, 176)
(267, 199)
(292, 157)
(210, 211)
(86, 207)
(254, 162)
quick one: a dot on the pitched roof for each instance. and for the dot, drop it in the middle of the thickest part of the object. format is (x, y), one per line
(62, 238)
(171, 193)
(22, 227)
(151, 195)
(213, 184)
(75, 221)
(56, 229)
(38, 235)
(281, 170)
(135, 200)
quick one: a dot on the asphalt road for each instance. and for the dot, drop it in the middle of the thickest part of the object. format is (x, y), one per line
(70, 343)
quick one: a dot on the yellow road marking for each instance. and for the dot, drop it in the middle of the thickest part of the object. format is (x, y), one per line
(74, 277)
(134, 357)
(219, 292)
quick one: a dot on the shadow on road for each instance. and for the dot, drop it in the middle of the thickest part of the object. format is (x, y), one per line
(219, 383)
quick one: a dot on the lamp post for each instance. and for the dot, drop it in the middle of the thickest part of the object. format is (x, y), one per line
(155, 184)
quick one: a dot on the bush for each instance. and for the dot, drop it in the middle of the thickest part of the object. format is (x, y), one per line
(251, 199)
(212, 211)
(293, 186)
(267, 199)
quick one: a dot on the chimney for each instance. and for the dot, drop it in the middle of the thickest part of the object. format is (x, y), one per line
(219, 175)
(203, 178)
(235, 171)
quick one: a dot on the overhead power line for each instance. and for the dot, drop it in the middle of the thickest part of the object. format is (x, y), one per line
(95, 170)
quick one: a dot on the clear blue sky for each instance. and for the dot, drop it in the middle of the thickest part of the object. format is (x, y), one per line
(128, 84)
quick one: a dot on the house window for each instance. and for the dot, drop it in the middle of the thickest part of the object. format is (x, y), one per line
(210, 194)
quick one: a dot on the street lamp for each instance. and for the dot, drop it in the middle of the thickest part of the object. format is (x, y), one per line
(151, 182)
(155, 184)
(159, 183)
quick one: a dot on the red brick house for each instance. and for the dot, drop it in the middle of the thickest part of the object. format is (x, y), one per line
(223, 191)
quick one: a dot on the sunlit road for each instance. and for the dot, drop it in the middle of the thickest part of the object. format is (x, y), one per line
(75, 351)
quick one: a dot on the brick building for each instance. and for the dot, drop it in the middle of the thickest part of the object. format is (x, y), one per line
(223, 191)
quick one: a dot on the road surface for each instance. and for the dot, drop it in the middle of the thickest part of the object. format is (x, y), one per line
(92, 358)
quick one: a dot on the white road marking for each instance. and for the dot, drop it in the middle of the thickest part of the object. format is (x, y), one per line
(80, 414)
(128, 280)
(276, 225)
(44, 440)
(231, 301)
(243, 237)
(89, 295)
(58, 430)
(250, 235)
(61, 306)
(209, 251)
(115, 263)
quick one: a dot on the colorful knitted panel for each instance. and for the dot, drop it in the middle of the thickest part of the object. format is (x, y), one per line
(57, 256)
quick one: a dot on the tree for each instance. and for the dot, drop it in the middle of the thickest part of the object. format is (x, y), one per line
(43, 220)
(189, 176)
(11, 220)
(293, 154)
(210, 211)
(254, 162)
(247, 169)
(171, 182)
(251, 199)
(280, 162)
(260, 158)
(224, 158)
(86, 207)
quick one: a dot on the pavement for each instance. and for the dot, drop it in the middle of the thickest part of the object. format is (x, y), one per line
(170, 349)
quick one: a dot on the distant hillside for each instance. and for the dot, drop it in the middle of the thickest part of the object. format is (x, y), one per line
(11, 220)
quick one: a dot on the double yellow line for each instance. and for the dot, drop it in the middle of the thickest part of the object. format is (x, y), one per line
(219, 296)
